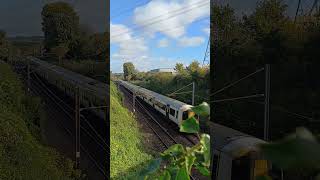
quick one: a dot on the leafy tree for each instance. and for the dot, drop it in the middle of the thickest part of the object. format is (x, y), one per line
(179, 68)
(60, 24)
(194, 66)
(128, 70)
(4, 46)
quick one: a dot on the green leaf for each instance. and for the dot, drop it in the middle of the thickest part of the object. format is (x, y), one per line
(191, 125)
(202, 109)
(173, 171)
(297, 151)
(165, 176)
(263, 178)
(203, 170)
(189, 160)
(152, 167)
(174, 150)
(182, 174)
(205, 142)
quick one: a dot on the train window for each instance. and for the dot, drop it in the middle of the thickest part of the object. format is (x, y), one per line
(185, 115)
(177, 114)
(172, 112)
(241, 168)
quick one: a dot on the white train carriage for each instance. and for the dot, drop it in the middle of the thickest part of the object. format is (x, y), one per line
(174, 110)
(91, 91)
(235, 155)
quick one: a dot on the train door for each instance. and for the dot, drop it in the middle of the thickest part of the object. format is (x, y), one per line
(168, 111)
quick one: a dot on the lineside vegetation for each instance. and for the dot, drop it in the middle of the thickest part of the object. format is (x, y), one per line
(22, 153)
(127, 154)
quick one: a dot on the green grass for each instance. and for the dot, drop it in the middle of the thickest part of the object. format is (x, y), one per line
(22, 155)
(127, 154)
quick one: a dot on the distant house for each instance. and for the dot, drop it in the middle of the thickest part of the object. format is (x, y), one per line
(163, 70)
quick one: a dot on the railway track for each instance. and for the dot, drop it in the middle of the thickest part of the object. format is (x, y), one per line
(167, 132)
(93, 144)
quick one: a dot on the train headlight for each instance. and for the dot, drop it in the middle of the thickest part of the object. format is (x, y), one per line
(190, 114)
(260, 168)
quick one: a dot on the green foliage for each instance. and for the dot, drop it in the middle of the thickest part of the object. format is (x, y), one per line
(166, 83)
(247, 43)
(22, 156)
(128, 70)
(297, 152)
(4, 46)
(180, 68)
(126, 146)
(60, 24)
(179, 160)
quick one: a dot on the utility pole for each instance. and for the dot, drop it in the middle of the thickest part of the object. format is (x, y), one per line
(134, 101)
(193, 89)
(266, 102)
(77, 121)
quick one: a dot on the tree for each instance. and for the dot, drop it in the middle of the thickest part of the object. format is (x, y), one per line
(179, 68)
(4, 46)
(193, 67)
(60, 24)
(128, 70)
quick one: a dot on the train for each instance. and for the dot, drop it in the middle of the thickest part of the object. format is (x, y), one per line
(235, 155)
(176, 111)
(92, 93)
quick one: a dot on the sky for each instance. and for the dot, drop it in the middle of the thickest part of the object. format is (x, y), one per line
(23, 17)
(158, 33)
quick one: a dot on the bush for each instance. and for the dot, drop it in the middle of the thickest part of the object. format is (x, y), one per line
(22, 156)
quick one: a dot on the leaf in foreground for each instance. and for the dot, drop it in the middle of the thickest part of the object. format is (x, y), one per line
(202, 109)
(191, 125)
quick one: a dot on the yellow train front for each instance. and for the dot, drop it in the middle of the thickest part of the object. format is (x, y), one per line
(235, 155)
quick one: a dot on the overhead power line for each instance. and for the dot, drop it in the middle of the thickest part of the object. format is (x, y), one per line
(159, 20)
(237, 98)
(179, 89)
(236, 82)
(167, 29)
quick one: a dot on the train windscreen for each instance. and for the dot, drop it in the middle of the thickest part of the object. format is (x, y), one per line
(185, 115)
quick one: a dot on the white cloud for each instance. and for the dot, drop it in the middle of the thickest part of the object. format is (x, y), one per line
(170, 17)
(206, 30)
(163, 43)
(190, 41)
(130, 47)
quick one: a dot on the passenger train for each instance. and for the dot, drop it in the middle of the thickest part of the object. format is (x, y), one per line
(174, 110)
(92, 93)
(235, 155)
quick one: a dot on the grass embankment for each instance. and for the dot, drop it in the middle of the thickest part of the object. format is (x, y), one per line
(22, 155)
(127, 153)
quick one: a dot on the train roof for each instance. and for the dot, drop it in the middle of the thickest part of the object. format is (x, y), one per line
(173, 102)
(90, 84)
(232, 142)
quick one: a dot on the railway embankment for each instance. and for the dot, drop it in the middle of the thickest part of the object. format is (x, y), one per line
(23, 153)
(128, 155)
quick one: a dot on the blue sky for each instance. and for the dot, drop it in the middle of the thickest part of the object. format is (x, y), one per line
(158, 33)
